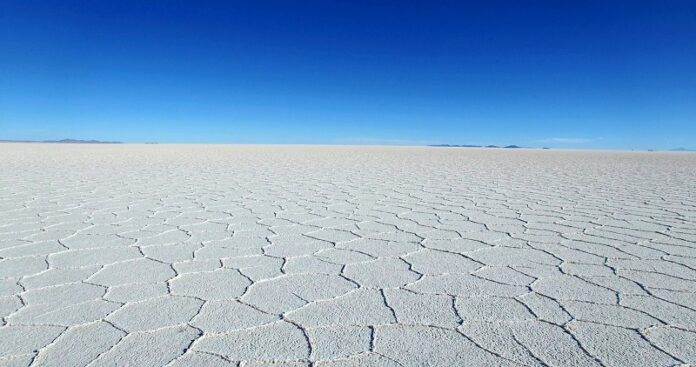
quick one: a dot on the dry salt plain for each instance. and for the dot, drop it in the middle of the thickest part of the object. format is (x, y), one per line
(149, 255)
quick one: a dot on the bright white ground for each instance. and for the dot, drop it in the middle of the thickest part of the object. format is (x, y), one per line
(150, 255)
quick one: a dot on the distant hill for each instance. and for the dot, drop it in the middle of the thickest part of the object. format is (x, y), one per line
(455, 146)
(681, 150)
(62, 141)
(473, 146)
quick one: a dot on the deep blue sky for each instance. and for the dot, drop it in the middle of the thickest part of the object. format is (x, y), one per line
(577, 74)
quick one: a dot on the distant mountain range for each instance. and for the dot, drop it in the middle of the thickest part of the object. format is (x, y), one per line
(79, 141)
(62, 141)
(473, 146)
(516, 146)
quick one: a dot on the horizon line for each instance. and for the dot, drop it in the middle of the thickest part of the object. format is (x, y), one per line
(460, 146)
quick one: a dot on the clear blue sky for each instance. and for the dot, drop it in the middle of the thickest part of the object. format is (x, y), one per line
(575, 74)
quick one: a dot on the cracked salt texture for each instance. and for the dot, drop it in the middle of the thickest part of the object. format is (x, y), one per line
(345, 256)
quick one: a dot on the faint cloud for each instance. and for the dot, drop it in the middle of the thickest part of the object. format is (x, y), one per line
(381, 141)
(568, 140)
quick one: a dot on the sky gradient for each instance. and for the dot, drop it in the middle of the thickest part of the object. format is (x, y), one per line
(594, 74)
